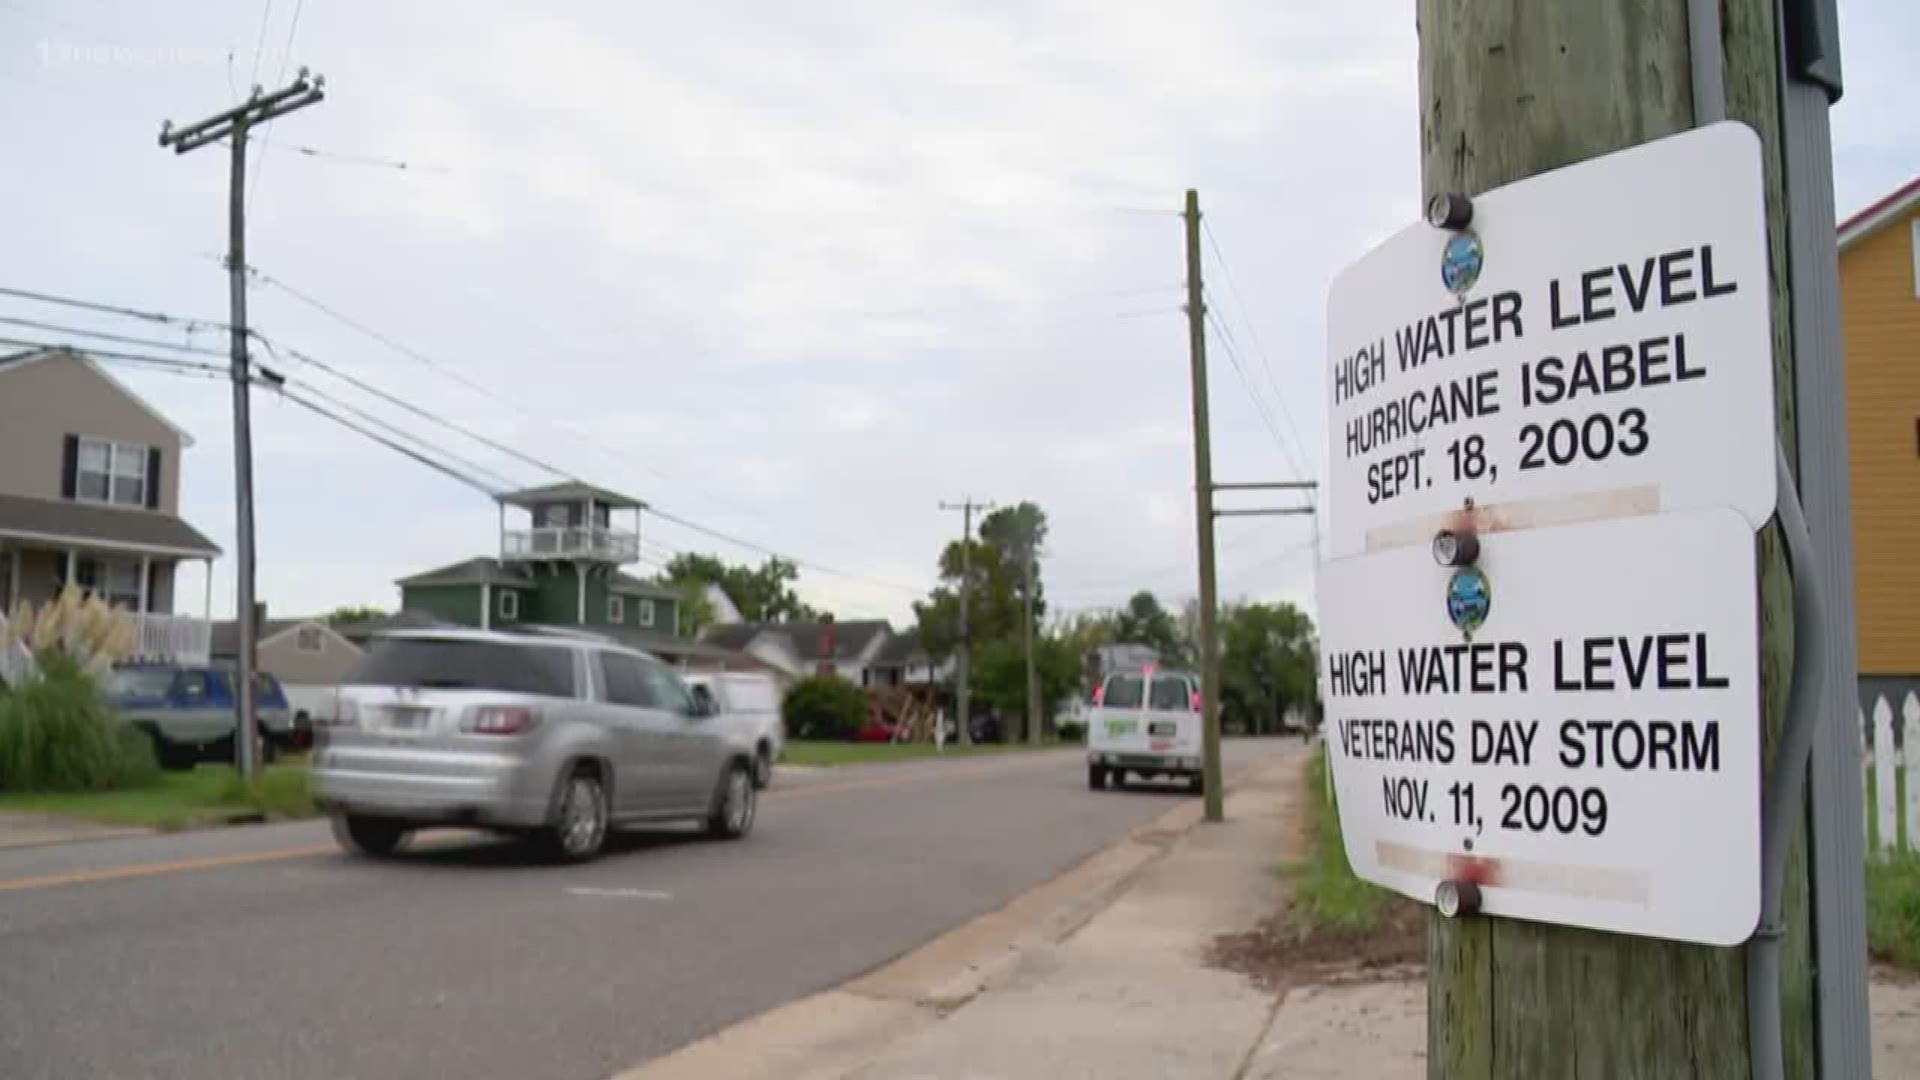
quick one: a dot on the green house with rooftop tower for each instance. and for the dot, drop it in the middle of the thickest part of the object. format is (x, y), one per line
(559, 564)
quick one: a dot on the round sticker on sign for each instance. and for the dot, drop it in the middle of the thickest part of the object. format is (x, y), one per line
(1460, 262)
(1469, 598)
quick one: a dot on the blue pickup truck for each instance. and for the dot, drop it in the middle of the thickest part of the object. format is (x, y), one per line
(191, 712)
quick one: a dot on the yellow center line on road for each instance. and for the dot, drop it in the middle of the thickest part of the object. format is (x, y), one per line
(220, 862)
(945, 772)
(178, 866)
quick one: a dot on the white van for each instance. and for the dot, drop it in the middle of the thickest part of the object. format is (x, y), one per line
(748, 704)
(1146, 723)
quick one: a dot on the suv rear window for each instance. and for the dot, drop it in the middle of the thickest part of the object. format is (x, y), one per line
(450, 664)
(1124, 691)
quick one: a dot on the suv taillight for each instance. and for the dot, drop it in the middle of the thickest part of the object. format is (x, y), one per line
(1195, 701)
(1099, 694)
(502, 721)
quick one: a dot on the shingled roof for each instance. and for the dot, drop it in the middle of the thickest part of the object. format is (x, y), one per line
(807, 640)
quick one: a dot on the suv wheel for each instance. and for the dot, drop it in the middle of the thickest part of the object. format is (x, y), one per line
(763, 767)
(734, 804)
(1097, 777)
(367, 835)
(580, 816)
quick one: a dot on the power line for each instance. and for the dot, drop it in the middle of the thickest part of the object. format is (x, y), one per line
(286, 54)
(473, 468)
(764, 550)
(1225, 338)
(1246, 316)
(173, 363)
(260, 43)
(174, 366)
(402, 403)
(446, 369)
(623, 457)
(191, 324)
(444, 470)
(34, 324)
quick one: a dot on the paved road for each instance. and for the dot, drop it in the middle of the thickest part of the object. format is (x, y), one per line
(263, 953)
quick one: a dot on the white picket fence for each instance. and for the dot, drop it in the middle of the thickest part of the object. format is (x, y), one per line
(1892, 775)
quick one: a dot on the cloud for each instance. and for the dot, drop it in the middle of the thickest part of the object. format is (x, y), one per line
(796, 272)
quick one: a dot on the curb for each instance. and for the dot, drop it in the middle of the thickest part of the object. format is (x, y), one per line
(83, 835)
(817, 1035)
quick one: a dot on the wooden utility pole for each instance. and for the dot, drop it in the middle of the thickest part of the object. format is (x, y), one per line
(233, 126)
(1203, 518)
(1508, 89)
(1033, 676)
(964, 695)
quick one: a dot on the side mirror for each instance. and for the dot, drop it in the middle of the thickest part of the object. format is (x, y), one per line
(703, 703)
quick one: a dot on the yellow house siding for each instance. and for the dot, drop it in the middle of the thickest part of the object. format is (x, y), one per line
(1880, 333)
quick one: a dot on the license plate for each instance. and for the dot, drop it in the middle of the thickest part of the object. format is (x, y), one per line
(1163, 728)
(407, 719)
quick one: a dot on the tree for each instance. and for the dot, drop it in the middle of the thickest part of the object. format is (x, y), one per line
(341, 616)
(1144, 622)
(763, 594)
(1268, 655)
(1000, 674)
(696, 609)
(1082, 634)
(824, 707)
(995, 604)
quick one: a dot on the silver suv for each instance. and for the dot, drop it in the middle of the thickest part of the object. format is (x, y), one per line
(557, 737)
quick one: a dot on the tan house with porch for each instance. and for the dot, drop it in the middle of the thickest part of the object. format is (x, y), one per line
(90, 495)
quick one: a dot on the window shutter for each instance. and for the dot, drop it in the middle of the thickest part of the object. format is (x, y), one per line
(153, 478)
(70, 468)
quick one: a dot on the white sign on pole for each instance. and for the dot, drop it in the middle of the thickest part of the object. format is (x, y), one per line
(1590, 757)
(1614, 354)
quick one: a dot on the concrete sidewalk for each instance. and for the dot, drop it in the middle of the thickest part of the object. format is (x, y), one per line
(1130, 995)
(1103, 974)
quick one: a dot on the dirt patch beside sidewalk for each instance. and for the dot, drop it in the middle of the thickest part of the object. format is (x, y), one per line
(1327, 925)
(1278, 954)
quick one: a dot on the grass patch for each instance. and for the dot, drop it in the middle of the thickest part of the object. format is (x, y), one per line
(207, 795)
(1893, 909)
(821, 753)
(1326, 894)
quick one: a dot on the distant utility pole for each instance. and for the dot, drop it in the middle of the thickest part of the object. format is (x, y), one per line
(233, 126)
(1033, 679)
(966, 508)
(1204, 515)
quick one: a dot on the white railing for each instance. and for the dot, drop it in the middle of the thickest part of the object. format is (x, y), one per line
(567, 542)
(1891, 772)
(179, 638)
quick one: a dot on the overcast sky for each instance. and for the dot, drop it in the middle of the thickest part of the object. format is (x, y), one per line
(796, 272)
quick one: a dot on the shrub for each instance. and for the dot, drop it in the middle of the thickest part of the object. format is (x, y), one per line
(824, 707)
(1893, 909)
(58, 734)
(1071, 731)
